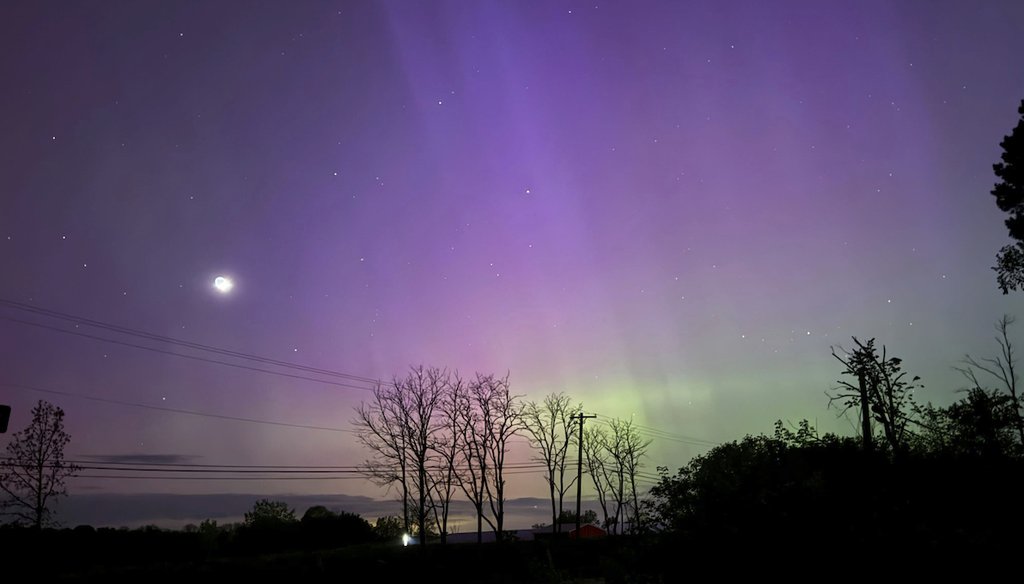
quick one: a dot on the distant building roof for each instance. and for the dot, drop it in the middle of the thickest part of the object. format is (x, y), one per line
(588, 532)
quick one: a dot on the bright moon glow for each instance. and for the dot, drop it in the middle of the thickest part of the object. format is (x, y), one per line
(223, 284)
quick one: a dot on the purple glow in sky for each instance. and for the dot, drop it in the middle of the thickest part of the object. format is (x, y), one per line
(665, 209)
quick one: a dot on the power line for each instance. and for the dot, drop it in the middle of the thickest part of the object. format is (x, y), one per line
(703, 444)
(219, 466)
(184, 343)
(215, 470)
(184, 356)
(123, 477)
(651, 431)
(134, 466)
(243, 468)
(245, 478)
(126, 465)
(175, 410)
(659, 431)
(538, 464)
(524, 467)
(663, 434)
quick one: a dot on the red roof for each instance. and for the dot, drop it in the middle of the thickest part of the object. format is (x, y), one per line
(588, 532)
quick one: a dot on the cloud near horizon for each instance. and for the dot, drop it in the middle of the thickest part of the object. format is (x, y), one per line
(141, 458)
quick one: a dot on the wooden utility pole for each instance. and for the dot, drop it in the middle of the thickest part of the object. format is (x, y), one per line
(579, 472)
(865, 411)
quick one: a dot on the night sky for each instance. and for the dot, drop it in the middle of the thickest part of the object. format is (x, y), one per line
(668, 210)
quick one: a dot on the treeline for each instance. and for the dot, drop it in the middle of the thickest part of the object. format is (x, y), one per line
(919, 477)
(434, 436)
(269, 527)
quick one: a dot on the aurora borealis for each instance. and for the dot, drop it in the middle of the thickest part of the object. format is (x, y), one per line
(665, 209)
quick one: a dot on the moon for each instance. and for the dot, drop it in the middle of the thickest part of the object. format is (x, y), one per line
(223, 284)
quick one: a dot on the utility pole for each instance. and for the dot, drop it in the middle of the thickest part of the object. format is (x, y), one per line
(579, 472)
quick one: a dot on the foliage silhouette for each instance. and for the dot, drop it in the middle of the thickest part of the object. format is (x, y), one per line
(388, 528)
(888, 393)
(1009, 194)
(980, 425)
(761, 490)
(1003, 369)
(34, 472)
(322, 528)
(269, 513)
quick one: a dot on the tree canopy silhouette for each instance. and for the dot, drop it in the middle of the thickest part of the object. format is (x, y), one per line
(34, 471)
(1009, 194)
(266, 512)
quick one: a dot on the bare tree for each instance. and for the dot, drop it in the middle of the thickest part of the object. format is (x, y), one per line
(1002, 368)
(448, 441)
(399, 427)
(381, 427)
(633, 449)
(625, 450)
(598, 464)
(550, 426)
(473, 442)
(424, 389)
(34, 472)
(614, 457)
(500, 418)
(889, 395)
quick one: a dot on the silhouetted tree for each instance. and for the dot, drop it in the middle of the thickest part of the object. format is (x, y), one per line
(804, 435)
(1009, 194)
(382, 427)
(422, 391)
(500, 418)
(318, 513)
(34, 471)
(626, 449)
(568, 517)
(399, 427)
(613, 458)
(389, 527)
(267, 513)
(209, 535)
(597, 464)
(764, 489)
(550, 426)
(633, 449)
(474, 443)
(982, 424)
(1003, 368)
(269, 526)
(447, 442)
(889, 395)
(322, 527)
